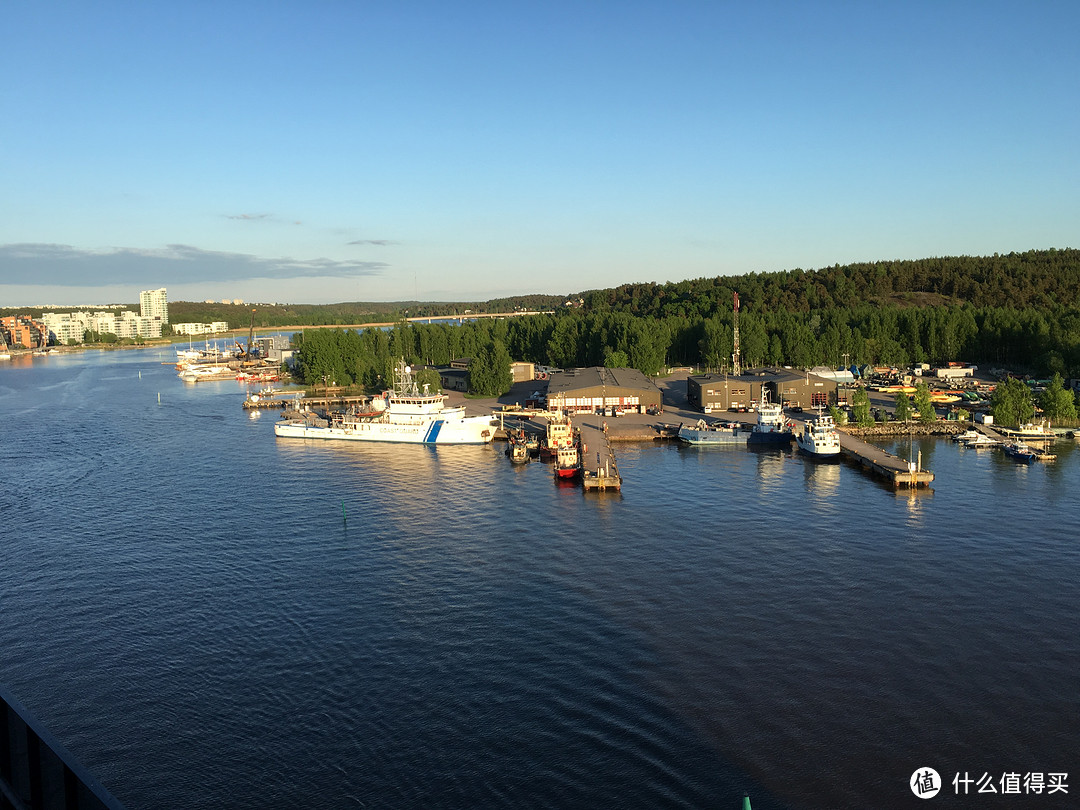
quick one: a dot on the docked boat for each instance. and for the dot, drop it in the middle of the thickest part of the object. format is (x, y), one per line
(517, 447)
(1018, 451)
(979, 441)
(211, 354)
(206, 373)
(404, 415)
(966, 436)
(716, 433)
(772, 426)
(944, 397)
(818, 437)
(568, 461)
(1030, 433)
(560, 433)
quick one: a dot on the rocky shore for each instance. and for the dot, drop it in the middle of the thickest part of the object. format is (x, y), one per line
(907, 429)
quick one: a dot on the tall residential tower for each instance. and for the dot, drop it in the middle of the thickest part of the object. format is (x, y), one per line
(154, 304)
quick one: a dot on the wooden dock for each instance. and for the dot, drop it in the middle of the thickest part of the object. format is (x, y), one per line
(896, 470)
(598, 467)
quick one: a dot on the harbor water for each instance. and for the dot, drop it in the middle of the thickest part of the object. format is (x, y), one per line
(207, 616)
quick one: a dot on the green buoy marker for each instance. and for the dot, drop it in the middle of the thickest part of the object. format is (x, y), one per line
(746, 801)
(344, 517)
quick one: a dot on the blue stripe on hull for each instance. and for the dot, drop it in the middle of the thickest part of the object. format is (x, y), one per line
(433, 432)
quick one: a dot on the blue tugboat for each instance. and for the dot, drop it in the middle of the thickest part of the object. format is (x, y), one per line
(1018, 451)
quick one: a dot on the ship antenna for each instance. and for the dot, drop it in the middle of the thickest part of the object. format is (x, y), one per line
(736, 366)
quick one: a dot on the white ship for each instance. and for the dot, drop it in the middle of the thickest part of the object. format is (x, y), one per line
(819, 437)
(402, 415)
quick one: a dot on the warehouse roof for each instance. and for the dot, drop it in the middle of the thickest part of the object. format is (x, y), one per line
(575, 379)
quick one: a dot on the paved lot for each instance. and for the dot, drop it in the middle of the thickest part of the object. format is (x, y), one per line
(636, 426)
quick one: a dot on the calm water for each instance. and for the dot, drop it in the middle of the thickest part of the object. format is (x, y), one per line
(184, 606)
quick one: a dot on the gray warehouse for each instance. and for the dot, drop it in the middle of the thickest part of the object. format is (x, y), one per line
(590, 389)
(720, 392)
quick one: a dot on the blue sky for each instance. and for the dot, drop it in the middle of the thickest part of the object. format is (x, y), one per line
(315, 152)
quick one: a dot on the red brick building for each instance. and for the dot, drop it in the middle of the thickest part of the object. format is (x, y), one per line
(24, 331)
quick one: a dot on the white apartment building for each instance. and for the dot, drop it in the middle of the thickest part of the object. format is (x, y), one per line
(200, 328)
(65, 327)
(154, 304)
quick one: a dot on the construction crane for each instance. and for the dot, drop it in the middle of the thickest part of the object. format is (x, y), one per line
(247, 354)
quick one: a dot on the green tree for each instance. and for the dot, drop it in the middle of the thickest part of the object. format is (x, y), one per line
(1012, 403)
(563, 345)
(903, 407)
(860, 407)
(429, 377)
(924, 405)
(1057, 401)
(489, 370)
(715, 344)
(615, 359)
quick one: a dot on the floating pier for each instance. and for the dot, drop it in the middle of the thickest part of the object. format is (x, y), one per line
(598, 467)
(896, 470)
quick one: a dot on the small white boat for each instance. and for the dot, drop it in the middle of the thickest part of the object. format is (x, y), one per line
(819, 437)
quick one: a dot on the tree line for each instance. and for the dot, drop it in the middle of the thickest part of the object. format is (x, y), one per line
(1017, 311)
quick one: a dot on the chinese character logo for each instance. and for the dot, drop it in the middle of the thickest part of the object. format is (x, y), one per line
(925, 783)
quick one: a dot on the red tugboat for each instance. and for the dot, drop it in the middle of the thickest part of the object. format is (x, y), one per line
(568, 462)
(560, 433)
(561, 446)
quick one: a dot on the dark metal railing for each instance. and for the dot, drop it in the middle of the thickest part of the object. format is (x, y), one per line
(36, 772)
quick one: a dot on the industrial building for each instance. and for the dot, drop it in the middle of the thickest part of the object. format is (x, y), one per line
(456, 377)
(591, 389)
(721, 392)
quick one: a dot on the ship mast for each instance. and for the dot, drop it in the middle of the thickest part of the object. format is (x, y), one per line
(736, 367)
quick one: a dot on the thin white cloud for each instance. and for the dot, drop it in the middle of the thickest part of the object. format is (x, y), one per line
(67, 265)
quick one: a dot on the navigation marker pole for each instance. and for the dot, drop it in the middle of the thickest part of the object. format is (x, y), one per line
(344, 517)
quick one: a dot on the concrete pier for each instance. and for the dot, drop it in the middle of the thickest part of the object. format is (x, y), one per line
(598, 467)
(895, 470)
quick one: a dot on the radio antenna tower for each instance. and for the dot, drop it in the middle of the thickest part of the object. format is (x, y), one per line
(736, 366)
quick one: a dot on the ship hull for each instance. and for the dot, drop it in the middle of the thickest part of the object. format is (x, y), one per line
(713, 435)
(774, 438)
(815, 451)
(472, 430)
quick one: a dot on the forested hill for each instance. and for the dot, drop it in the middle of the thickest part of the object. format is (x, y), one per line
(1037, 279)
(271, 315)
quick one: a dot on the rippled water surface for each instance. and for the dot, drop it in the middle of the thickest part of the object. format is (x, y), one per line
(208, 616)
